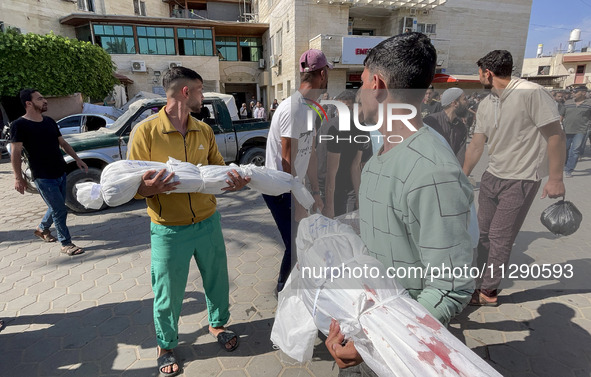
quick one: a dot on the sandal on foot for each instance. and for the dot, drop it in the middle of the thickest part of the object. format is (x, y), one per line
(224, 339)
(45, 235)
(72, 250)
(480, 299)
(168, 360)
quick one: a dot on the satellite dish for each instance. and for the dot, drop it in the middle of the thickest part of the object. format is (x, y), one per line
(571, 71)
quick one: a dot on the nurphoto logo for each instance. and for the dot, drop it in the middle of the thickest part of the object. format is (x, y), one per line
(344, 117)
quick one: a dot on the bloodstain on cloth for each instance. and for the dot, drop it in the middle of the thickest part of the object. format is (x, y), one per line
(441, 351)
(430, 322)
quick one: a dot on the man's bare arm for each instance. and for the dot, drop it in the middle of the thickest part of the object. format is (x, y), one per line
(556, 139)
(332, 166)
(69, 150)
(474, 152)
(15, 159)
(286, 147)
(356, 174)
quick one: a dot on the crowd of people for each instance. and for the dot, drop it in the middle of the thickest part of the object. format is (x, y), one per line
(255, 109)
(395, 185)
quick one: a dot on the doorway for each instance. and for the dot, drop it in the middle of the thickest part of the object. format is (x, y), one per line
(580, 74)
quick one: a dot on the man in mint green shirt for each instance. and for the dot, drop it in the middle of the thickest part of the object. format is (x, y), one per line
(414, 209)
(414, 200)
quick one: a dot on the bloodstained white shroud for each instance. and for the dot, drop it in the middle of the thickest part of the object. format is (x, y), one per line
(393, 333)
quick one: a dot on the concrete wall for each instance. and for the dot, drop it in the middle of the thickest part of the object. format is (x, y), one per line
(207, 66)
(306, 21)
(154, 8)
(530, 66)
(475, 27)
(39, 17)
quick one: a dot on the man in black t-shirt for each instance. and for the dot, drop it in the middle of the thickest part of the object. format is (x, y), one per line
(429, 105)
(345, 151)
(39, 137)
(449, 121)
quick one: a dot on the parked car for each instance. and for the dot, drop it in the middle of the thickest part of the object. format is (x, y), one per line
(242, 141)
(4, 135)
(77, 123)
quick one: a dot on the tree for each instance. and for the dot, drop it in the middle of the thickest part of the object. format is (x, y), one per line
(54, 65)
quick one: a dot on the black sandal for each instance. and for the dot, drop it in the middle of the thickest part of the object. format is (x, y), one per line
(166, 360)
(224, 339)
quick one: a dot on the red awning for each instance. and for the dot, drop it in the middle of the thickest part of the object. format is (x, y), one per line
(575, 58)
(443, 78)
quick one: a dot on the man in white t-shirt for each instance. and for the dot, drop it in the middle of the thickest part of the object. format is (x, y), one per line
(290, 148)
(519, 121)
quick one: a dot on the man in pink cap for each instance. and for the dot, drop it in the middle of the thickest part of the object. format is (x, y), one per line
(290, 148)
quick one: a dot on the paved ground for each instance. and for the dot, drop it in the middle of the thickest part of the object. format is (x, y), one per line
(91, 315)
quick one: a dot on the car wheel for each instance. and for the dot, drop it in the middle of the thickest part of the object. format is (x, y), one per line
(79, 176)
(254, 155)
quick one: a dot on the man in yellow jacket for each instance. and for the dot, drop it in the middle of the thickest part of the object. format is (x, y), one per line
(183, 226)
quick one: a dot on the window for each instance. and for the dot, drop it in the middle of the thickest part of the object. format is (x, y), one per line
(70, 125)
(270, 45)
(427, 28)
(227, 48)
(278, 42)
(363, 32)
(287, 26)
(115, 39)
(544, 70)
(156, 40)
(87, 5)
(195, 42)
(197, 10)
(251, 49)
(139, 7)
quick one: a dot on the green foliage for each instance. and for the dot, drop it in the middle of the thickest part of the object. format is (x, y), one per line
(53, 64)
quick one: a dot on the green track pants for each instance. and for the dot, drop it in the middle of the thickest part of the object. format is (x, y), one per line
(172, 249)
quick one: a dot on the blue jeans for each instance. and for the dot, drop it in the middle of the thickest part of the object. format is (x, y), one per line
(280, 207)
(575, 146)
(53, 192)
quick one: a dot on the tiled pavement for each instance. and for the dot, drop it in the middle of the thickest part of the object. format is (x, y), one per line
(91, 315)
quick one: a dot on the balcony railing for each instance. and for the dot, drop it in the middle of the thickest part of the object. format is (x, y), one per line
(418, 4)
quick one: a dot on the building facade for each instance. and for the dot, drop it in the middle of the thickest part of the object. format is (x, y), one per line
(252, 47)
(559, 71)
(145, 38)
(462, 31)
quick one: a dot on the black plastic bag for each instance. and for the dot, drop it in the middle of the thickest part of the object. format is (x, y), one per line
(562, 218)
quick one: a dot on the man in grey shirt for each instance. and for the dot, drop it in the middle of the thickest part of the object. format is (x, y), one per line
(576, 121)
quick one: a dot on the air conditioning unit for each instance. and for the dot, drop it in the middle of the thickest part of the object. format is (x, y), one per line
(262, 63)
(174, 64)
(138, 66)
(412, 11)
(274, 60)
